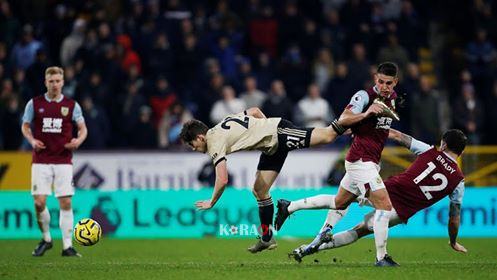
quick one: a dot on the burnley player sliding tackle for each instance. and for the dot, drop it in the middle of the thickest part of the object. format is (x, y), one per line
(431, 177)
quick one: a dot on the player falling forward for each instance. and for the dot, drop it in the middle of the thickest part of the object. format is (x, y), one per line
(251, 130)
(52, 116)
(432, 176)
(362, 176)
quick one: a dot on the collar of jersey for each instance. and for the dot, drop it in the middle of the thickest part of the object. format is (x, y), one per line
(449, 156)
(58, 101)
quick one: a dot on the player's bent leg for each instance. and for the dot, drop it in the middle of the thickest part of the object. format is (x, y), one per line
(263, 182)
(43, 218)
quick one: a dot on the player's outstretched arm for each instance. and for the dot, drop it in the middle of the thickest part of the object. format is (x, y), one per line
(256, 113)
(219, 186)
(453, 227)
(349, 118)
(414, 145)
(399, 137)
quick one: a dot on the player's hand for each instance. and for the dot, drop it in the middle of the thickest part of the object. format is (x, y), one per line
(203, 204)
(73, 145)
(458, 247)
(375, 109)
(37, 145)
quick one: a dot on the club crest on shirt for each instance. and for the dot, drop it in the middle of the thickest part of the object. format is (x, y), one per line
(41, 110)
(64, 111)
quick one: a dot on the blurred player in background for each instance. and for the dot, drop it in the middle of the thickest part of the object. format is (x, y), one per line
(51, 116)
(362, 176)
(431, 177)
(251, 130)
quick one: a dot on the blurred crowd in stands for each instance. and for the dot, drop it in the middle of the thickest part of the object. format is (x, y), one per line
(141, 68)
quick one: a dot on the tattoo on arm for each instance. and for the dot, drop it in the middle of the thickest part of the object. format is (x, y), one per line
(454, 210)
(404, 140)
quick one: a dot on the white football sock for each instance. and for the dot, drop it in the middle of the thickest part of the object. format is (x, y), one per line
(333, 217)
(322, 201)
(380, 227)
(340, 239)
(44, 221)
(66, 221)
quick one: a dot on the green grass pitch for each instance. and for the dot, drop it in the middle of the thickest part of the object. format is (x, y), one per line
(228, 259)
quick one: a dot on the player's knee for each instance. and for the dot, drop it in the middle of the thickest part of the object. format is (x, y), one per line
(65, 204)
(40, 205)
(260, 194)
(341, 205)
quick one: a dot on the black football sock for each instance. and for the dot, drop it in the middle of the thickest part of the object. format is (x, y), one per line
(266, 212)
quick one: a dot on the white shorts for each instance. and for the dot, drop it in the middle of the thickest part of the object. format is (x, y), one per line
(369, 219)
(46, 176)
(361, 176)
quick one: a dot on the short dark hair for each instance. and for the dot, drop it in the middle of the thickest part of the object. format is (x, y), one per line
(455, 140)
(191, 129)
(388, 68)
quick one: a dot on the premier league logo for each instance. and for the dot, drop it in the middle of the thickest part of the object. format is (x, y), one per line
(64, 111)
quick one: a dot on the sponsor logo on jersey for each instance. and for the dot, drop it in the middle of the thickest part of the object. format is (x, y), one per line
(64, 111)
(384, 123)
(52, 125)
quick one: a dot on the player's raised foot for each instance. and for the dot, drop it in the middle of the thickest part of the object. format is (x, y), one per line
(41, 248)
(298, 253)
(70, 252)
(262, 245)
(282, 213)
(386, 261)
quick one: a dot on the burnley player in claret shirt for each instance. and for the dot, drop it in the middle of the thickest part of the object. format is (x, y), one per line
(48, 126)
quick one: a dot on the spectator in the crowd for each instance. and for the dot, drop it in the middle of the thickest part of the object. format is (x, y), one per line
(143, 134)
(161, 58)
(295, 73)
(358, 66)
(468, 114)
(10, 24)
(252, 97)
(394, 52)
(263, 32)
(21, 86)
(491, 116)
(97, 90)
(309, 39)
(70, 82)
(425, 112)
(265, 72)
(163, 97)
(229, 104)
(333, 34)
(225, 52)
(35, 74)
(323, 68)
(129, 108)
(340, 89)
(188, 61)
(72, 42)
(277, 103)
(10, 121)
(98, 125)
(171, 123)
(24, 52)
(313, 110)
(480, 55)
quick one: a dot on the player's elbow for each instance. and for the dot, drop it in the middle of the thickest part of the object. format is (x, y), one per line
(222, 180)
